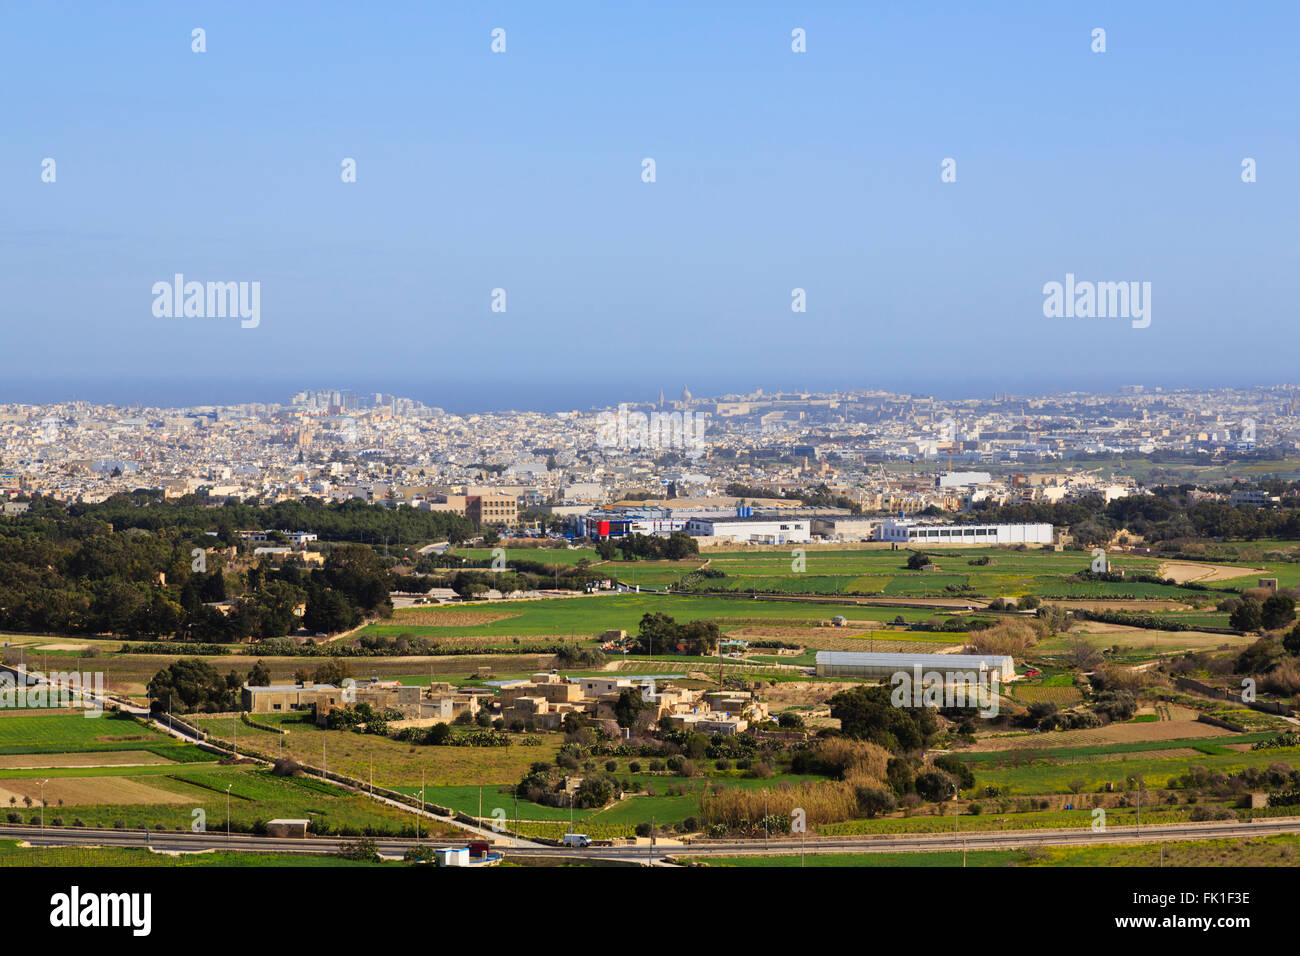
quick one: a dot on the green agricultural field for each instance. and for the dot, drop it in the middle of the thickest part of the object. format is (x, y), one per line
(465, 799)
(1118, 590)
(881, 571)
(1196, 619)
(588, 616)
(12, 855)
(60, 732)
(169, 800)
(1212, 745)
(1142, 644)
(1050, 776)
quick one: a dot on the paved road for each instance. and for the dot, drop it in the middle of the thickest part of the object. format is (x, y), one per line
(176, 841)
(996, 840)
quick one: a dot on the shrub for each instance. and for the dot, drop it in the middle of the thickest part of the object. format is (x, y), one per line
(873, 801)
(363, 849)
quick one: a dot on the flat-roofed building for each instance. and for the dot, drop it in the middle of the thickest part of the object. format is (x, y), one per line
(752, 529)
(929, 535)
(846, 527)
(493, 509)
(282, 698)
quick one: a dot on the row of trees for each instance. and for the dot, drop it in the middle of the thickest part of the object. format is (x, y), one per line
(675, 547)
(82, 577)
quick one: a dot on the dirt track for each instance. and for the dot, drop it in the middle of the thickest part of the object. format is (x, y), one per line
(1183, 571)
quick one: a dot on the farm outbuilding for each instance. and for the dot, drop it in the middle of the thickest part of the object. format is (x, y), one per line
(287, 828)
(883, 666)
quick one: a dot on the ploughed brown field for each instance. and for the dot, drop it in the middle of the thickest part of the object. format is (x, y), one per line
(438, 617)
(79, 791)
(1183, 726)
(112, 758)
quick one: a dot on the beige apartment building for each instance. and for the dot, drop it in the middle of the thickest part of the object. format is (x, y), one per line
(493, 509)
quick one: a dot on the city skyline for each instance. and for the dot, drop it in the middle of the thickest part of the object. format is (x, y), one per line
(457, 402)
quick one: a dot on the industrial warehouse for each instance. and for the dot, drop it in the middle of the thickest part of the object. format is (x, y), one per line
(965, 534)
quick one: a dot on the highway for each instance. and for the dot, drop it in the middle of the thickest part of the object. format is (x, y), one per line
(185, 841)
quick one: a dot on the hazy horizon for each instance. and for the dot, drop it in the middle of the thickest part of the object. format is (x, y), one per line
(584, 395)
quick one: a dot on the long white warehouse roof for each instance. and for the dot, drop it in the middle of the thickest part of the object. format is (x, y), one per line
(882, 659)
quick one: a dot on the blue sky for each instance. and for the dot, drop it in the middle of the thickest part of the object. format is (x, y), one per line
(522, 171)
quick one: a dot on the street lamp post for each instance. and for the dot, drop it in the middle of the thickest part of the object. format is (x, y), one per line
(228, 786)
(43, 783)
(956, 816)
